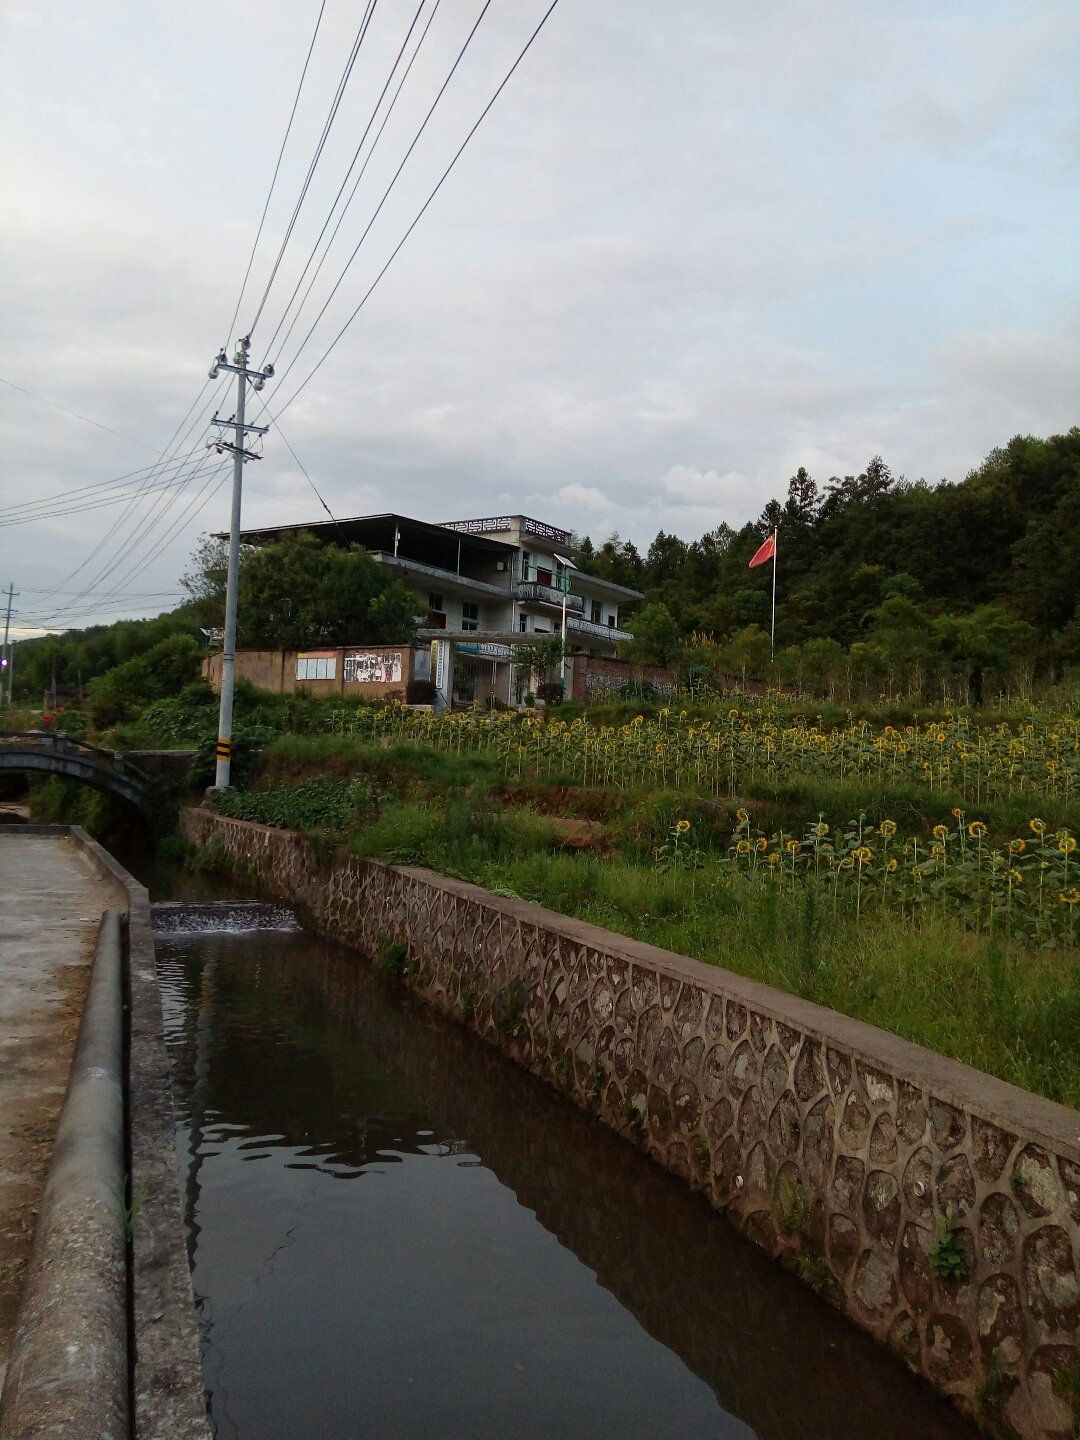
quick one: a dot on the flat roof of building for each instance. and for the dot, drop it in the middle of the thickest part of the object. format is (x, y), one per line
(377, 532)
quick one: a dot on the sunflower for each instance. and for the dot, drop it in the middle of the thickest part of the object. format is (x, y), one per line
(793, 846)
(1018, 846)
(888, 828)
(940, 832)
(742, 816)
(681, 827)
(977, 830)
(958, 814)
(1014, 877)
(1066, 844)
(1039, 826)
(863, 854)
(762, 843)
(894, 865)
(1069, 897)
(743, 847)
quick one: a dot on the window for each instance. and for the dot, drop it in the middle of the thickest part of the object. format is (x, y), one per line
(523, 623)
(316, 667)
(434, 603)
(597, 612)
(525, 558)
(611, 621)
(470, 616)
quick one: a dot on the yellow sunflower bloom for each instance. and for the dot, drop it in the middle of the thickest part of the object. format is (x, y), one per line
(682, 826)
(977, 830)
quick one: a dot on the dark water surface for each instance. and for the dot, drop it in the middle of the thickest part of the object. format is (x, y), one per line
(397, 1235)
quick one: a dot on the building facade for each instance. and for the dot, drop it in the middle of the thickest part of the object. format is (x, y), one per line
(483, 587)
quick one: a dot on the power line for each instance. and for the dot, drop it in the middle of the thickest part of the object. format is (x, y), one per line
(277, 167)
(335, 105)
(401, 243)
(78, 491)
(75, 414)
(100, 504)
(393, 181)
(120, 520)
(352, 164)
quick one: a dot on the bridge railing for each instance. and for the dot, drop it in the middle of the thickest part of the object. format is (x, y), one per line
(60, 743)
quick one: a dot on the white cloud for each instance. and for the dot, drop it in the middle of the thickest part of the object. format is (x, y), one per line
(585, 495)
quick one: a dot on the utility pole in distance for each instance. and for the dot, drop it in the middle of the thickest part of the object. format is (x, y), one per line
(258, 378)
(6, 667)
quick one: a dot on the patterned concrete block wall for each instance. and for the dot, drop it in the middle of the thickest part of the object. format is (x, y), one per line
(870, 1165)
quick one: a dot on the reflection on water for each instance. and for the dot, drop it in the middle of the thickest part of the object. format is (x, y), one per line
(496, 1266)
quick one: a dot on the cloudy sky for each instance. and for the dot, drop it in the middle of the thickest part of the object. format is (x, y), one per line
(693, 246)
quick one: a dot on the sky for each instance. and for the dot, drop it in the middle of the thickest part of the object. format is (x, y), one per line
(691, 247)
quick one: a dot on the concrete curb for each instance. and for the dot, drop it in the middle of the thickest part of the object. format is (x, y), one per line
(68, 1375)
(169, 1396)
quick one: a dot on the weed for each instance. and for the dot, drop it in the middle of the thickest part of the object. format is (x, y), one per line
(1018, 1181)
(702, 1153)
(948, 1258)
(813, 1270)
(131, 1211)
(633, 1112)
(994, 1389)
(468, 1002)
(508, 1008)
(790, 1207)
(391, 957)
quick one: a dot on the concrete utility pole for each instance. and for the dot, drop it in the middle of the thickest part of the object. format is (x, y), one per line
(258, 378)
(9, 650)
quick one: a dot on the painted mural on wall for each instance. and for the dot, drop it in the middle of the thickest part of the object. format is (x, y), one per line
(372, 667)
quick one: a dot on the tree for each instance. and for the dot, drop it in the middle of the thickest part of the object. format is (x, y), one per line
(656, 636)
(162, 671)
(297, 593)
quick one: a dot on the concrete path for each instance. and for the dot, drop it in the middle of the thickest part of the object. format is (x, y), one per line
(51, 901)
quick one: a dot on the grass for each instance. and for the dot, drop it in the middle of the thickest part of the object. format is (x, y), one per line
(1009, 1009)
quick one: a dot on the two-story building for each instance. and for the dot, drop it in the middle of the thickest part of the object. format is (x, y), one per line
(483, 587)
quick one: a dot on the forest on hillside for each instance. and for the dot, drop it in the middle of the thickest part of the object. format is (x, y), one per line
(883, 584)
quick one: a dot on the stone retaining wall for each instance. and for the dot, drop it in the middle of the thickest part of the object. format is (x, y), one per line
(828, 1142)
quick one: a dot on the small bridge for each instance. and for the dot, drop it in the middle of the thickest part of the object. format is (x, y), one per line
(56, 754)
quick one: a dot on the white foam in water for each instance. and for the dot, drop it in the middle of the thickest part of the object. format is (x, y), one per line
(225, 917)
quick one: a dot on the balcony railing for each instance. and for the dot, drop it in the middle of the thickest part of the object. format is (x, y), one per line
(534, 593)
(610, 633)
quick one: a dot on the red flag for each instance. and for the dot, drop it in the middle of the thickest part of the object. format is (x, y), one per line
(767, 552)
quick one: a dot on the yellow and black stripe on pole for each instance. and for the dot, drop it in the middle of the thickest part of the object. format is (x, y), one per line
(223, 749)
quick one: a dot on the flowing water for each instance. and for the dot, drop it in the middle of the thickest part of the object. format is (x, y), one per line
(396, 1234)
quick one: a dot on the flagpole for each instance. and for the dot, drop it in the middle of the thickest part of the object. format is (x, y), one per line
(772, 634)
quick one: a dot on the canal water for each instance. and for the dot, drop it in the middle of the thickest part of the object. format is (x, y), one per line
(396, 1234)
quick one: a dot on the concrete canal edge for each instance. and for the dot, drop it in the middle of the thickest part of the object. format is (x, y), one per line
(107, 1343)
(937, 1206)
(69, 1358)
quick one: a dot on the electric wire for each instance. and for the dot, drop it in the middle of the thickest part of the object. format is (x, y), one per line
(213, 483)
(119, 521)
(335, 106)
(99, 504)
(75, 414)
(117, 526)
(273, 178)
(419, 216)
(80, 492)
(386, 193)
(352, 164)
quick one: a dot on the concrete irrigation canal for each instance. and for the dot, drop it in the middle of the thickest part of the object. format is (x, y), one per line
(289, 1198)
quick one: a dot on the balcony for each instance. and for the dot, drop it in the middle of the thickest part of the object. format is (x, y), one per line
(531, 592)
(610, 633)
